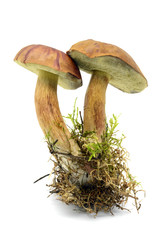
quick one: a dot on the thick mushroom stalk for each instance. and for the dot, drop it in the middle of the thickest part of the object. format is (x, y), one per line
(94, 105)
(49, 115)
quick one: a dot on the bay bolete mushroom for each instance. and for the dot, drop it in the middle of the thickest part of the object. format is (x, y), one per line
(52, 67)
(107, 64)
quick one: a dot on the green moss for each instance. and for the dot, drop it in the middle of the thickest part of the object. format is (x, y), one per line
(109, 182)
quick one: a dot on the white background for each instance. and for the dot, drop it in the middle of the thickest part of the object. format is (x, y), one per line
(25, 210)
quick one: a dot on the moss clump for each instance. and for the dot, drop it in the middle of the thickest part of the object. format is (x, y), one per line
(99, 179)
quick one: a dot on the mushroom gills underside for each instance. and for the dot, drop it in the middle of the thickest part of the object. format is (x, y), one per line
(119, 73)
(65, 80)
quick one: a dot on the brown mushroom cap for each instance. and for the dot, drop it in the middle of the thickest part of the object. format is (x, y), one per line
(121, 70)
(39, 57)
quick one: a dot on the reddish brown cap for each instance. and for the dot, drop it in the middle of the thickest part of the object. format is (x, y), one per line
(120, 68)
(39, 57)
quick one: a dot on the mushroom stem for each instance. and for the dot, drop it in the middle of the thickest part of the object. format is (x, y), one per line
(94, 105)
(49, 115)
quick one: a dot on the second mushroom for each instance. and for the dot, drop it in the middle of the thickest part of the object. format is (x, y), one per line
(107, 64)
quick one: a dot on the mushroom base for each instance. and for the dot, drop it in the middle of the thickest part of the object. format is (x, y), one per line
(98, 180)
(102, 192)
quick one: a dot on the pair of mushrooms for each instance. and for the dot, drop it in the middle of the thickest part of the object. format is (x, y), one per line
(106, 63)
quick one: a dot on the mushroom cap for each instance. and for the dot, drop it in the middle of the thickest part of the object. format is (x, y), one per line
(39, 57)
(119, 67)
